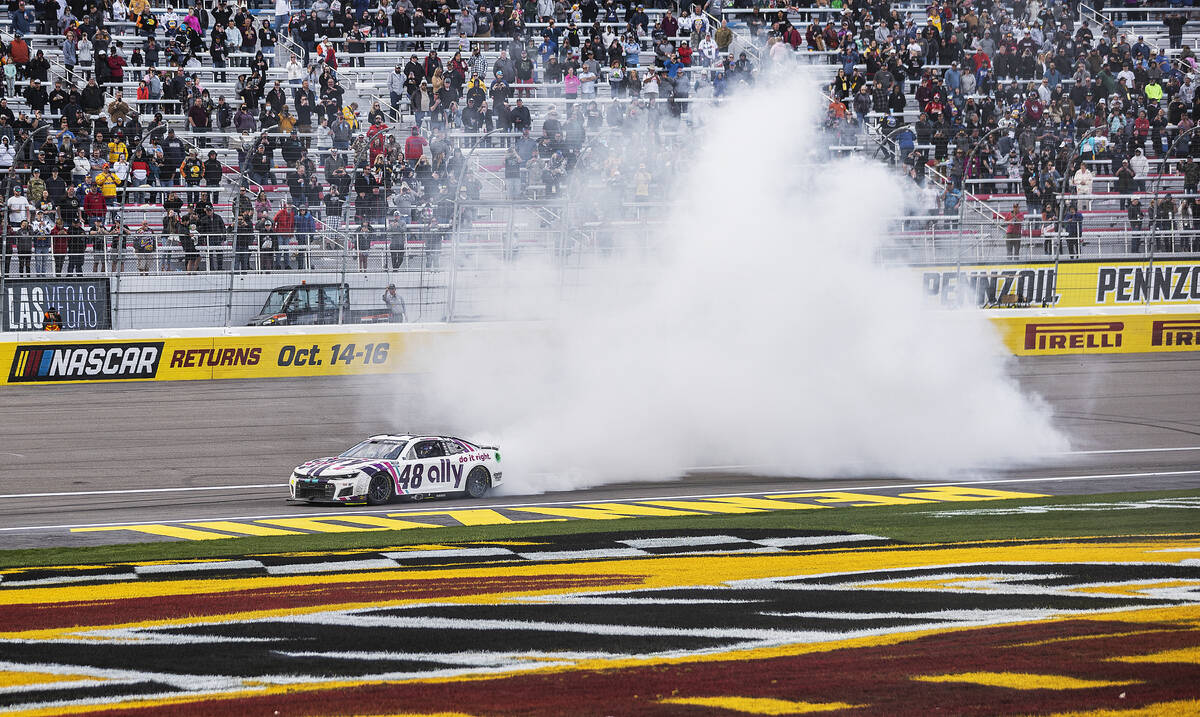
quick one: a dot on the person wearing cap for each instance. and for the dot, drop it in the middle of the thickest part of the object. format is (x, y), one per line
(396, 90)
(108, 181)
(117, 149)
(393, 302)
(18, 209)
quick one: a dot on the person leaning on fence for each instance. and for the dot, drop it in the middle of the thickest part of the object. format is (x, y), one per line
(76, 246)
(191, 254)
(284, 227)
(265, 228)
(23, 238)
(1136, 216)
(1012, 231)
(306, 227)
(144, 245)
(244, 239)
(397, 240)
(60, 244)
(1072, 223)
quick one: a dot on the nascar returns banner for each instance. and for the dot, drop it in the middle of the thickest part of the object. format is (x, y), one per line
(177, 359)
(1070, 284)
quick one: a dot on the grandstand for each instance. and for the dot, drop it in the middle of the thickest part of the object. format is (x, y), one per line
(267, 137)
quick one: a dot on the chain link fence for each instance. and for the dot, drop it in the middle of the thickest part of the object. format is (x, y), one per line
(499, 269)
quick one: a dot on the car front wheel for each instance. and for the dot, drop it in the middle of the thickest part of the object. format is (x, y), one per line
(380, 491)
(478, 482)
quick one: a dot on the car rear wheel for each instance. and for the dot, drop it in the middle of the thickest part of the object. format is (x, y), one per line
(478, 482)
(380, 490)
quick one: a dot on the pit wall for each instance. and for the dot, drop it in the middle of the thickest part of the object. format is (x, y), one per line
(269, 352)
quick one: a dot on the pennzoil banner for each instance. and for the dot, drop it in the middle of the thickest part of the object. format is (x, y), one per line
(1069, 284)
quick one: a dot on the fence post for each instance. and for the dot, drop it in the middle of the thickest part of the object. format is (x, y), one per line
(116, 300)
(229, 299)
(1053, 292)
(342, 298)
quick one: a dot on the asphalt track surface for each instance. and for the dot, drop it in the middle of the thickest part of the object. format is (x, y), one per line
(90, 454)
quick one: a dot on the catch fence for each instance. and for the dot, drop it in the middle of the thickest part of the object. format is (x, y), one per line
(500, 269)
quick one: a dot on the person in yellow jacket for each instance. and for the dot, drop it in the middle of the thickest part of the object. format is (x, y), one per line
(118, 151)
(108, 182)
(350, 114)
(287, 121)
(1154, 91)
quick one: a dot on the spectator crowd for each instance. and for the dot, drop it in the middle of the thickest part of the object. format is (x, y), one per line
(240, 131)
(1028, 97)
(185, 138)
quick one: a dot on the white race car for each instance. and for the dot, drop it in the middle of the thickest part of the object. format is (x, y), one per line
(386, 466)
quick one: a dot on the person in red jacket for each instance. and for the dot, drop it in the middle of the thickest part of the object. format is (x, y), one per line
(685, 54)
(94, 207)
(116, 65)
(285, 227)
(414, 146)
(58, 237)
(1015, 221)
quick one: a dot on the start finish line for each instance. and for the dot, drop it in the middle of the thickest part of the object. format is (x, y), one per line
(512, 515)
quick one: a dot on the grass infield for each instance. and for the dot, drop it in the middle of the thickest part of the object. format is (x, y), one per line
(954, 522)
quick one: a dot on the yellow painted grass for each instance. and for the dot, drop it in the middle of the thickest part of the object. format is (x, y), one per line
(15, 678)
(1189, 655)
(1024, 681)
(1159, 709)
(760, 705)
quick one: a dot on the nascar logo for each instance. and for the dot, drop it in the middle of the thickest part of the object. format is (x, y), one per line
(85, 362)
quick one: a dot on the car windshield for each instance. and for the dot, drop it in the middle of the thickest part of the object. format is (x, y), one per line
(376, 449)
(275, 301)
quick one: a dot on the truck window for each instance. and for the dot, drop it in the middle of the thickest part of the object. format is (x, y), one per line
(275, 301)
(329, 296)
(300, 300)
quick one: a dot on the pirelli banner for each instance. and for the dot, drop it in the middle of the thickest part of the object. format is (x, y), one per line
(1113, 334)
(180, 359)
(1068, 284)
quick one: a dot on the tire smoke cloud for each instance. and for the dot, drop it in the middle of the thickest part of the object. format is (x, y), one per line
(763, 333)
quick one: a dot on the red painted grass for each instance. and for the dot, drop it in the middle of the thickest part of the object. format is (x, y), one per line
(115, 612)
(880, 678)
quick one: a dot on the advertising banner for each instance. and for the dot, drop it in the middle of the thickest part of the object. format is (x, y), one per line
(83, 303)
(1070, 284)
(58, 360)
(1113, 334)
(201, 358)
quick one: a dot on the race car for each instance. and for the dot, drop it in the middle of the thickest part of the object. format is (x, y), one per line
(386, 466)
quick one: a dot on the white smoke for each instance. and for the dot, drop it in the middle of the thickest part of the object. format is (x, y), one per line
(764, 334)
